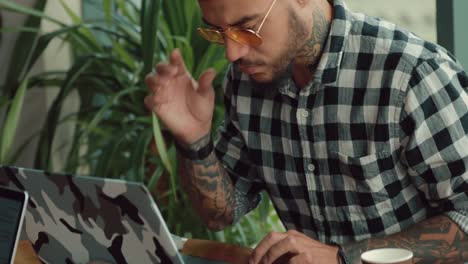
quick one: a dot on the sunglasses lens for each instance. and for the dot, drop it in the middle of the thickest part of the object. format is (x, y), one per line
(244, 36)
(211, 35)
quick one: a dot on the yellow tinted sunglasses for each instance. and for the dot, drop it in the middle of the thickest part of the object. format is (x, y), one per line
(243, 36)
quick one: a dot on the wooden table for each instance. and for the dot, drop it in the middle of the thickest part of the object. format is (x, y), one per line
(193, 247)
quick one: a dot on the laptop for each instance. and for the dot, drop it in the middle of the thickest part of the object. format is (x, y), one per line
(76, 219)
(12, 210)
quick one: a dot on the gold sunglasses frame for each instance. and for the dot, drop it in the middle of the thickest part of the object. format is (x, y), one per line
(232, 32)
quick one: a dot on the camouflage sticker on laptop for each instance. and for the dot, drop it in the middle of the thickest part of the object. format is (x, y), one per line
(73, 219)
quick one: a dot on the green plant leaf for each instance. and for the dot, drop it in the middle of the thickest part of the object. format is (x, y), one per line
(149, 28)
(155, 177)
(108, 154)
(107, 4)
(77, 20)
(43, 155)
(161, 146)
(11, 159)
(1, 26)
(242, 235)
(123, 54)
(100, 114)
(11, 122)
(112, 54)
(19, 29)
(26, 41)
(122, 6)
(137, 156)
(255, 230)
(264, 207)
(37, 11)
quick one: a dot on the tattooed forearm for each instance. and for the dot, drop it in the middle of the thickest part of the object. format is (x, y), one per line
(209, 187)
(434, 240)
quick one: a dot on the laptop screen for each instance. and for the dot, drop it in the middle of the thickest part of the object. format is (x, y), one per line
(11, 213)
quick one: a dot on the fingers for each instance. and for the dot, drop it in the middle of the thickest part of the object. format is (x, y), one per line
(157, 82)
(151, 103)
(171, 78)
(305, 258)
(264, 246)
(164, 72)
(158, 93)
(164, 69)
(285, 247)
(158, 85)
(205, 82)
(175, 59)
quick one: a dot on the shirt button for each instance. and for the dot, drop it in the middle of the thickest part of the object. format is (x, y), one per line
(305, 113)
(311, 167)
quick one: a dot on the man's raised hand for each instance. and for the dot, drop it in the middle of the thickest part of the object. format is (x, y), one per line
(184, 105)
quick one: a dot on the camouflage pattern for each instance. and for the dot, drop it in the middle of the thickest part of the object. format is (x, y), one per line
(73, 219)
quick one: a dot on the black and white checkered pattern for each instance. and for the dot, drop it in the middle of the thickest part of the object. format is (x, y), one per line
(376, 143)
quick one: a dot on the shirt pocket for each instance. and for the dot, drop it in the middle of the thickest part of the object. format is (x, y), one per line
(365, 167)
(370, 182)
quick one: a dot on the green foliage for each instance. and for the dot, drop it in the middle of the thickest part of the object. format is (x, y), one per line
(11, 123)
(12, 92)
(23, 60)
(114, 135)
(1, 25)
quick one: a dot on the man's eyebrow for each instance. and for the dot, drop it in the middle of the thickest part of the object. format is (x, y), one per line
(237, 23)
(244, 20)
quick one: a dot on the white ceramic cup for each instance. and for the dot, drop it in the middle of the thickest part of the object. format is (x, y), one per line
(387, 256)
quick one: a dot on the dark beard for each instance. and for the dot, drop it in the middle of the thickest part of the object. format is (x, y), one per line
(299, 49)
(298, 31)
(281, 65)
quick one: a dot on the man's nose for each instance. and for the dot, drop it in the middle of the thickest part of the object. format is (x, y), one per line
(235, 50)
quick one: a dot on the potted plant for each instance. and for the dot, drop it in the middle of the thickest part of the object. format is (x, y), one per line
(114, 135)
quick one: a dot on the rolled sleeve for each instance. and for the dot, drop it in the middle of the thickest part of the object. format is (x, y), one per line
(436, 145)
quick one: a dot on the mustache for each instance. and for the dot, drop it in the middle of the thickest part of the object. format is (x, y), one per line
(248, 63)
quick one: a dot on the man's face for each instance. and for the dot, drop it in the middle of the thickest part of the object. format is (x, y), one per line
(283, 34)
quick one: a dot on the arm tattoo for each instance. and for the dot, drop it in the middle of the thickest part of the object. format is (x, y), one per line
(209, 187)
(434, 240)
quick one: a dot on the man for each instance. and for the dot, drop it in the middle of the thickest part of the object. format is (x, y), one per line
(355, 127)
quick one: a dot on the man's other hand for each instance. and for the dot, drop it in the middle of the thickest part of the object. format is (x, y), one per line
(292, 247)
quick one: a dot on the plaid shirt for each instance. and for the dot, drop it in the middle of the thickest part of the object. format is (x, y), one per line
(374, 144)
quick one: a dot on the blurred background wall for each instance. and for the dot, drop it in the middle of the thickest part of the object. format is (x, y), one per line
(419, 16)
(37, 101)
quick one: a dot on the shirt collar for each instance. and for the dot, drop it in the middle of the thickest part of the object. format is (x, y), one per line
(327, 69)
